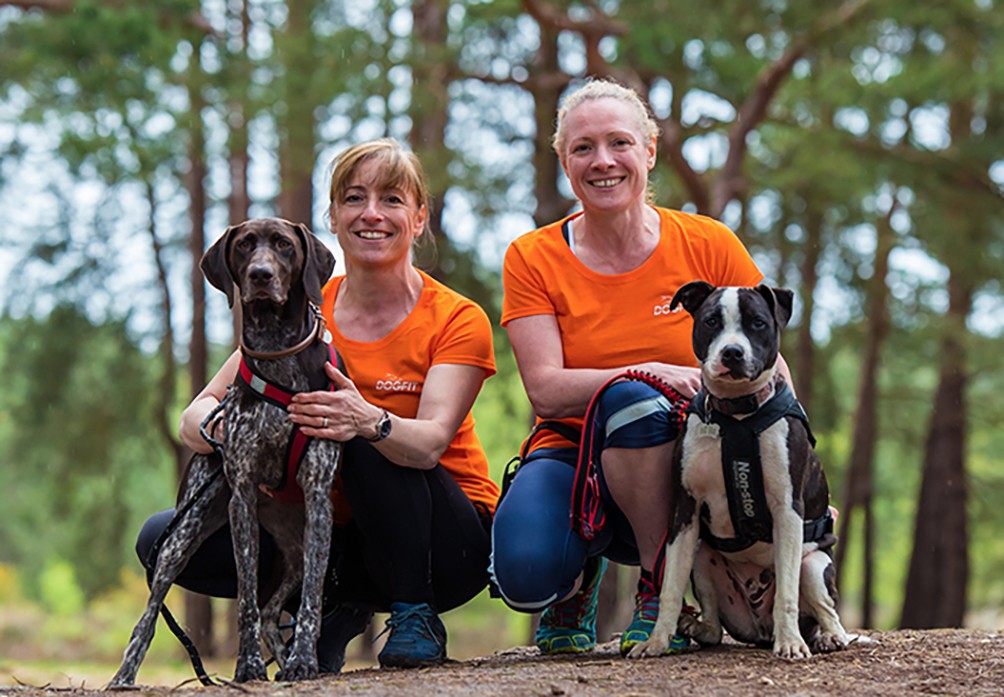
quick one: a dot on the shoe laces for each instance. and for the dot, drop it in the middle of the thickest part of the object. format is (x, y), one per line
(580, 609)
(574, 612)
(415, 615)
(646, 601)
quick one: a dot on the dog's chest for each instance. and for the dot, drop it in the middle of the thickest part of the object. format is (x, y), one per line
(703, 474)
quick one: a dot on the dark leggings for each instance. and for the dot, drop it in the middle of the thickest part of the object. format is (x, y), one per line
(414, 537)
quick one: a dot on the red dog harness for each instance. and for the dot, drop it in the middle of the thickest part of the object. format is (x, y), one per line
(281, 397)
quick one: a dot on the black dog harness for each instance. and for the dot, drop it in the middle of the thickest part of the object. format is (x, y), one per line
(281, 397)
(743, 470)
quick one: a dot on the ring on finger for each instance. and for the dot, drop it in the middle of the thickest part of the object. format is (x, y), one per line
(324, 424)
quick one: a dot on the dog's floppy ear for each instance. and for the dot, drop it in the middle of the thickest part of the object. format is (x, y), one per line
(780, 301)
(692, 296)
(318, 263)
(215, 264)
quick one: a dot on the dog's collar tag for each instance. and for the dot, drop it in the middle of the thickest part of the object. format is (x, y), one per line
(707, 430)
(326, 336)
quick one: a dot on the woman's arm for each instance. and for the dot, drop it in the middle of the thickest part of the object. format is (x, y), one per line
(447, 396)
(557, 392)
(207, 400)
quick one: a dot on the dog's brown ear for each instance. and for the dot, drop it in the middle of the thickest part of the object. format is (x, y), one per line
(318, 263)
(215, 266)
(780, 301)
(692, 296)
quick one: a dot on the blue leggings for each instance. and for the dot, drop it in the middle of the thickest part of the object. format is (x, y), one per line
(536, 557)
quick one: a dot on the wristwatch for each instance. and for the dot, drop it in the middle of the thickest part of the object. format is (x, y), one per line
(383, 428)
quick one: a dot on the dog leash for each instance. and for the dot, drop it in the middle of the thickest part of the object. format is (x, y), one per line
(588, 516)
(193, 652)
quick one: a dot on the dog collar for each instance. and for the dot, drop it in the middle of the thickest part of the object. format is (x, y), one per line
(316, 334)
(747, 404)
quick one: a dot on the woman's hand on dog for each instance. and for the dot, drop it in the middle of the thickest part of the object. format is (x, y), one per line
(339, 415)
(683, 379)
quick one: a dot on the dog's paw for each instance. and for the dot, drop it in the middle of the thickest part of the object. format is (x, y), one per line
(125, 679)
(828, 643)
(705, 634)
(649, 649)
(250, 669)
(793, 648)
(116, 686)
(297, 668)
(689, 625)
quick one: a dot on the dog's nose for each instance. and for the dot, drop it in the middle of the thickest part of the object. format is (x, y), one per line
(260, 274)
(732, 354)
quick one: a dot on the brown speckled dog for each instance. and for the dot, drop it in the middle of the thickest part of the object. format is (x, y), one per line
(278, 268)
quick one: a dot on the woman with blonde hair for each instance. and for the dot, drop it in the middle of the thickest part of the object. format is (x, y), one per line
(587, 299)
(413, 500)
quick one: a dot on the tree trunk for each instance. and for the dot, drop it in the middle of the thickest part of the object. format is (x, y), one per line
(430, 70)
(198, 609)
(805, 348)
(238, 202)
(546, 89)
(939, 567)
(297, 137)
(858, 489)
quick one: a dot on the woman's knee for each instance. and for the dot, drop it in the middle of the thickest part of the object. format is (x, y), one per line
(151, 531)
(535, 555)
(635, 415)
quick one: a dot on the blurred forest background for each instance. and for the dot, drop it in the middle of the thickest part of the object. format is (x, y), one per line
(856, 147)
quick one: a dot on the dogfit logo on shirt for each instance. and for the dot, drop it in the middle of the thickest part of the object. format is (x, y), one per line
(392, 383)
(662, 307)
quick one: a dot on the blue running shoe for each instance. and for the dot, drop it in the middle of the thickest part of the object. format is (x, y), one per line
(417, 637)
(646, 612)
(570, 626)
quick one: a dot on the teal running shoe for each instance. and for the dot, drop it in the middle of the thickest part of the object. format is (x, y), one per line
(570, 626)
(646, 612)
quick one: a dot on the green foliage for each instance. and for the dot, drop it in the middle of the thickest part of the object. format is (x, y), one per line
(10, 587)
(58, 589)
(502, 411)
(82, 453)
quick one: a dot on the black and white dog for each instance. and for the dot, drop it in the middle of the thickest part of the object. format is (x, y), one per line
(752, 523)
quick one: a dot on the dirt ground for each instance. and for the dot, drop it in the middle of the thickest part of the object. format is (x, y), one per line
(939, 662)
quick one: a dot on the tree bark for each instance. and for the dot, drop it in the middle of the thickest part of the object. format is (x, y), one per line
(198, 609)
(297, 128)
(859, 488)
(939, 566)
(430, 69)
(238, 201)
(546, 88)
(805, 348)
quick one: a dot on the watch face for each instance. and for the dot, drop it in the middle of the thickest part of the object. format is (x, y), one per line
(383, 428)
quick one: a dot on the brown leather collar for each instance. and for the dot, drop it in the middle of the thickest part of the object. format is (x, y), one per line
(316, 334)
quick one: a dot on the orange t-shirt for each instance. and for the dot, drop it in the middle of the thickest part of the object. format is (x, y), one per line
(616, 320)
(443, 327)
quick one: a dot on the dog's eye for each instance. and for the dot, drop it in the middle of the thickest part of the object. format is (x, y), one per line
(759, 323)
(283, 243)
(712, 321)
(244, 244)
